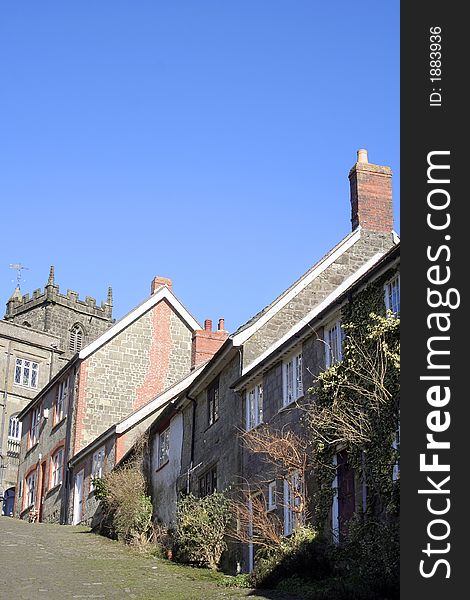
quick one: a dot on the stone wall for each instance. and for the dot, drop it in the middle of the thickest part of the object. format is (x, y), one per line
(52, 437)
(369, 244)
(131, 369)
(56, 313)
(91, 514)
(217, 444)
(24, 343)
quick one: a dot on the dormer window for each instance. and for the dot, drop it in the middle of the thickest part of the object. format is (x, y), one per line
(76, 338)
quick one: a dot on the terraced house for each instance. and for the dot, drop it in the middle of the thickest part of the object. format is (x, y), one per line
(129, 365)
(262, 371)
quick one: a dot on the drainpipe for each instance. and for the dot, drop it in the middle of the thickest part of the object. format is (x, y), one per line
(191, 457)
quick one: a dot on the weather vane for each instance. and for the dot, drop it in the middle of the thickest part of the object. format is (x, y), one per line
(18, 267)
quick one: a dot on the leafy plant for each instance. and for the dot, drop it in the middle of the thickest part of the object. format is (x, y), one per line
(201, 526)
(126, 507)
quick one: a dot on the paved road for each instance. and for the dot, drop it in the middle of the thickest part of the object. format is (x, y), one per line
(52, 562)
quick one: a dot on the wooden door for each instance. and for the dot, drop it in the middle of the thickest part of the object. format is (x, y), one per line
(346, 494)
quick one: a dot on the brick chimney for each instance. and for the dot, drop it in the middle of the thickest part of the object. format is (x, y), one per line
(158, 282)
(206, 342)
(371, 195)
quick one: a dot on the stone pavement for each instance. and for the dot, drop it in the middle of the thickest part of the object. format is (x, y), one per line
(52, 562)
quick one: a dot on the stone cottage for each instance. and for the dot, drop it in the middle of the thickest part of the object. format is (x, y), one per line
(146, 352)
(262, 370)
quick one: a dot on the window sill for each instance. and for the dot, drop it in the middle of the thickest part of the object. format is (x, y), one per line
(162, 466)
(255, 426)
(291, 404)
(31, 448)
(211, 425)
(56, 426)
(26, 510)
(53, 489)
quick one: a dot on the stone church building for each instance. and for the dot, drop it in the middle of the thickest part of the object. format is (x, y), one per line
(38, 335)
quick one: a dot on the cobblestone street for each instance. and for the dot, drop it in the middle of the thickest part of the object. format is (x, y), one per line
(55, 561)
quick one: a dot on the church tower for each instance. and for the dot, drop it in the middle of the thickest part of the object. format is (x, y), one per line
(75, 322)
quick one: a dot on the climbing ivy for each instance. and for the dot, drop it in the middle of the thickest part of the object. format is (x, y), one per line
(355, 405)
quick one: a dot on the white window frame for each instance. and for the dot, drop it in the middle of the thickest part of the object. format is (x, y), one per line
(14, 428)
(292, 377)
(392, 295)
(335, 504)
(254, 406)
(334, 337)
(35, 426)
(163, 447)
(97, 464)
(396, 446)
(61, 402)
(30, 489)
(272, 495)
(57, 467)
(292, 519)
(26, 372)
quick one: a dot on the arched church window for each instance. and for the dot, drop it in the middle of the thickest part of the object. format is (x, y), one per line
(76, 338)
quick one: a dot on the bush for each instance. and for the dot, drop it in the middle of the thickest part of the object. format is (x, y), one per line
(302, 554)
(371, 556)
(364, 567)
(126, 508)
(201, 526)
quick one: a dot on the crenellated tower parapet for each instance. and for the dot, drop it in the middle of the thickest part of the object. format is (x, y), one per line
(61, 314)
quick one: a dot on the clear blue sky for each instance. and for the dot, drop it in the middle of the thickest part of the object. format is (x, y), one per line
(208, 141)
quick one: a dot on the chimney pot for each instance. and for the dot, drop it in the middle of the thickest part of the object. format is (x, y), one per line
(221, 326)
(208, 325)
(362, 156)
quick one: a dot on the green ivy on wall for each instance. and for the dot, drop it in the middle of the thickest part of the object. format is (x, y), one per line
(355, 406)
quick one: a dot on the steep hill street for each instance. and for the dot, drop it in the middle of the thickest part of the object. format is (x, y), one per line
(56, 562)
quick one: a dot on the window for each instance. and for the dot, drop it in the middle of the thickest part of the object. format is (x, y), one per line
(26, 372)
(272, 495)
(163, 447)
(293, 502)
(208, 483)
(213, 403)
(76, 338)
(392, 295)
(60, 407)
(30, 489)
(97, 466)
(57, 463)
(35, 424)
(334, 336)
(14, 428)
(293, 385)
(254, 406)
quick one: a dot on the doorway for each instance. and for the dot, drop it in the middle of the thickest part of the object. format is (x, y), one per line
(78, 497)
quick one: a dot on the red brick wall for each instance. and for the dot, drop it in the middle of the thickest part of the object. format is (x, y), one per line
(371, 197)
(156, 376)
(205, 345)
(80, 405)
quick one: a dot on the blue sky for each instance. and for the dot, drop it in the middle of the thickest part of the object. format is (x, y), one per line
(208, 141)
